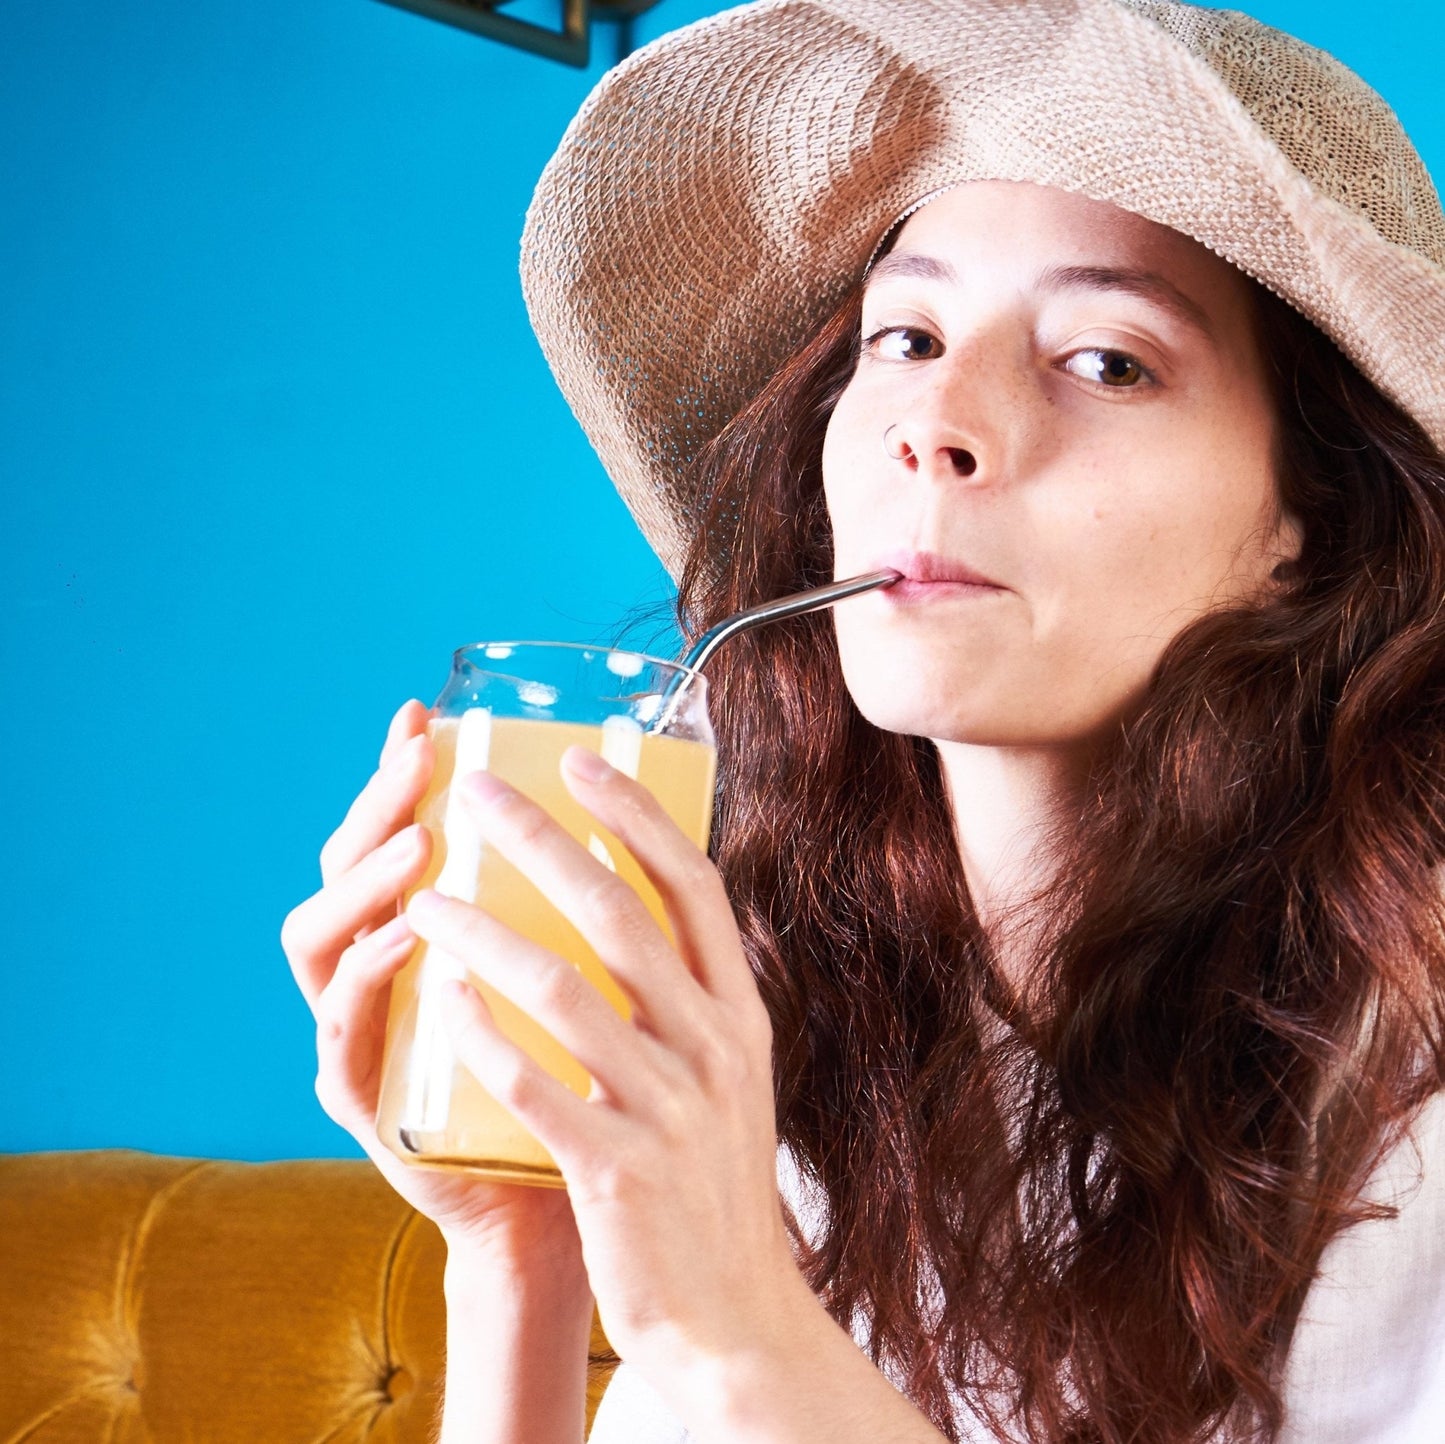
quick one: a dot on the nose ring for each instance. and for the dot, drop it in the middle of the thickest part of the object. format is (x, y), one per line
(888, 451)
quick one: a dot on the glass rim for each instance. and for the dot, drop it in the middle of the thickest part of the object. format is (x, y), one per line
(695, 674)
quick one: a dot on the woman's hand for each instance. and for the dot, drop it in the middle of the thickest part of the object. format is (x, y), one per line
(670, 1163)
(345, 944)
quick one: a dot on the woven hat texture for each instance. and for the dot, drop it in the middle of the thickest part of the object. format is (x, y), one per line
(721, 190)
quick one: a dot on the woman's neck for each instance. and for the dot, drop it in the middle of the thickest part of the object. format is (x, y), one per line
(1007, 805)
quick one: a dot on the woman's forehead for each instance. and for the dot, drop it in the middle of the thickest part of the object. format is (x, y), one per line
(989, 239)
(1043, 231)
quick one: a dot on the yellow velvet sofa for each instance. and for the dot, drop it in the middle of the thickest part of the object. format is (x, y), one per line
(155, 1300)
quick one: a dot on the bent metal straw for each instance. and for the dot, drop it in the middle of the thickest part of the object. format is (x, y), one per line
(791, 606)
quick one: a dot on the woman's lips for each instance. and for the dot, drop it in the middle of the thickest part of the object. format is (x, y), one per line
(925, 576)
(909, 589)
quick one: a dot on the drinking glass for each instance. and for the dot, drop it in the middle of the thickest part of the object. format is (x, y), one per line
(513, 708)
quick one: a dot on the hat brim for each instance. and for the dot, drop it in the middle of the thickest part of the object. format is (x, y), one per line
(722, 189)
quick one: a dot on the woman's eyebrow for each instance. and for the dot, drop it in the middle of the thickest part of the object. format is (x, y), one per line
(911, 263)
(1147, 285)
(1133, 281)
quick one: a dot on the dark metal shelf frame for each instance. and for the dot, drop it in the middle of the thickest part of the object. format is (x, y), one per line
(571, 44)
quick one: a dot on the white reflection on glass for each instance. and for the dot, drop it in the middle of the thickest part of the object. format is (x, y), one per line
(537, 694)
(624, 664)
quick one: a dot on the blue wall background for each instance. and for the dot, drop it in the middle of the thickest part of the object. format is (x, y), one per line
(274, 438)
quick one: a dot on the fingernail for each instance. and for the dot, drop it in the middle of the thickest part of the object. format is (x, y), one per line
(458, 999)
(406, 842)
(584, 763)
(457, 990)
(484, 788)
(395, 933)
(402, 759)
(424, 906)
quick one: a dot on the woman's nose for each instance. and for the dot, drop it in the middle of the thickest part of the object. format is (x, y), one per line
(958, 424)
(959, 460)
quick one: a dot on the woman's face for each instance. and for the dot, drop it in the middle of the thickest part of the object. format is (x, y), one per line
(1081, 440)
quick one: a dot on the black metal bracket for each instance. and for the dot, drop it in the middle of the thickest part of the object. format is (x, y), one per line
(571, 44)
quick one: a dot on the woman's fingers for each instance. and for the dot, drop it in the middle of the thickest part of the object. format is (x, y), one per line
(546, 1106)
(544, 986)
(684, 877)
(351, 1023)
(409, 721)
(385, 804)
(595, 900)
(368, 861)
(319, 930)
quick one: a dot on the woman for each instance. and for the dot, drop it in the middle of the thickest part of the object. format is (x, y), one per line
(1077, 930)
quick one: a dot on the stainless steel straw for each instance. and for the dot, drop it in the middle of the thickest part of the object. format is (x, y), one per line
(793, 606)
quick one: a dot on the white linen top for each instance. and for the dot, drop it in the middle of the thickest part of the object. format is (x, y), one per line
(1367, 1363)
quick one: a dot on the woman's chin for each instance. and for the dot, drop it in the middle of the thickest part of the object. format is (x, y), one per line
(973, 722)
(895, 711)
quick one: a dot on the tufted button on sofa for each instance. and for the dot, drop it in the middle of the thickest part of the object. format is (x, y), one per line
(155, 1300)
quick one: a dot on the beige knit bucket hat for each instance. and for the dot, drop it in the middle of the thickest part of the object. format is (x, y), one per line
(720, 191)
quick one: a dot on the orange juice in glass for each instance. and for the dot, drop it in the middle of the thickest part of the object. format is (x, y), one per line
(514, 708)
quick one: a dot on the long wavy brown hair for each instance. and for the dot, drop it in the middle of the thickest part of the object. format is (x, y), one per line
(1096, 1220)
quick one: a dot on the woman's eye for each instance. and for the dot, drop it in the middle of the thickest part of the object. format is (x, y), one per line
(904, 343)
(1108, 368)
